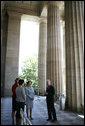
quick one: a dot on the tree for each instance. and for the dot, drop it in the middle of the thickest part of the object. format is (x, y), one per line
(30, 70)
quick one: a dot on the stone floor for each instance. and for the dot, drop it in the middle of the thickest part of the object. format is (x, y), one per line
(40, 113)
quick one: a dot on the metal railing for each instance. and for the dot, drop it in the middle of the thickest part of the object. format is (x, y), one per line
(24, 119)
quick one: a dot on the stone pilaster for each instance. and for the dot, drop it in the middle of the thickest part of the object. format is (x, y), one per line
(53, 47)
(74, 38)
(12, 51)
(42, 56)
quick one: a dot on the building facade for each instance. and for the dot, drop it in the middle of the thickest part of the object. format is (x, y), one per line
(60, 60)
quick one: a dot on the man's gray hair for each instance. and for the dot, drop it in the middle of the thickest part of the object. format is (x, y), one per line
(48, 80)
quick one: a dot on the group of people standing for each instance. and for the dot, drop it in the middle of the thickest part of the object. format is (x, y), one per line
(25, 95)
(22, 96)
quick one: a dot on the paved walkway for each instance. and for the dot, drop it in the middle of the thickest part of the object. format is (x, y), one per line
(40, 114)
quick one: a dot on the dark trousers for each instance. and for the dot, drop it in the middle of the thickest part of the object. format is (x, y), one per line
(51, 110)
(13, 104)
(18, 106)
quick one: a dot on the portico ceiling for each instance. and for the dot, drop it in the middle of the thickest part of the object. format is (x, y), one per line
(36, 8)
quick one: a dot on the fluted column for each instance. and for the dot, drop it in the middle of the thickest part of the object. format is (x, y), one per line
(54, 46)
(4, 26)
(74, 34)
(63, 65)
(12, 51)
(42, 56)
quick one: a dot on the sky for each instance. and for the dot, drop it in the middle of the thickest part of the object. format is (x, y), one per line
(29, 38)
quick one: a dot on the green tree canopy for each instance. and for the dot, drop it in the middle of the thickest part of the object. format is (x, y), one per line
(30, 70)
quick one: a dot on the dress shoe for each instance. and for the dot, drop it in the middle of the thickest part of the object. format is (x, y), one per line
(53, 120)
(49, 119)
(31, 118)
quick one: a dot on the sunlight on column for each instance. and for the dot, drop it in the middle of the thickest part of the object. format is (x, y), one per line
(82, 116)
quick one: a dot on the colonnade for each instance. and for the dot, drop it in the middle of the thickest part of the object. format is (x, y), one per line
(50, 52)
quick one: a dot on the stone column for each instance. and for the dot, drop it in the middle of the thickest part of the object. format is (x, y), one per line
(12, 51)
(4, 27)
(63, 65)
(42, 56)
(74, 38)
(54, 46)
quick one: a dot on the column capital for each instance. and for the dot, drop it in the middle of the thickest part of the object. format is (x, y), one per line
(43, 20)
(56, 3)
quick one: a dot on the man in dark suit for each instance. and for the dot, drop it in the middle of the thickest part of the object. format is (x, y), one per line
(50, 91)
